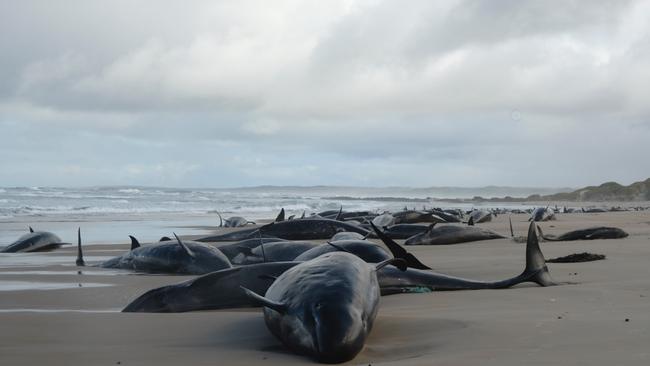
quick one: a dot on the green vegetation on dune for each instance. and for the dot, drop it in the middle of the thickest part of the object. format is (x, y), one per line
(606, 192)
(610, 191)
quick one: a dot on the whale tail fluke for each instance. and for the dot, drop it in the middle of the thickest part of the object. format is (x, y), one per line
(536, 270)
(80, 257)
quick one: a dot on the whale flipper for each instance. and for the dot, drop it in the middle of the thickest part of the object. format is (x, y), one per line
(185, 247)
(263, 301)
(398, 251)
(397, 262)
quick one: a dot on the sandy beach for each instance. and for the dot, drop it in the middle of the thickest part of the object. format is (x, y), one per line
(598, 315)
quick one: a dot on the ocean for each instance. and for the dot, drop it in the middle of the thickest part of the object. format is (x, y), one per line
(110, 214)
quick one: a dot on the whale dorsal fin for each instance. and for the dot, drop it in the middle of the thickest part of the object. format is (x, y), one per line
(303, 214)
(263, 301)
(31, 230)
(470, 222)
(280, 216)
(338, 216)
(185, 247)
(165, 238)
(134, 242)
(80, 257)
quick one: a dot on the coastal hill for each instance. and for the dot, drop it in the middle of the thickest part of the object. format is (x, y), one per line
(610, 191)
(606, 192)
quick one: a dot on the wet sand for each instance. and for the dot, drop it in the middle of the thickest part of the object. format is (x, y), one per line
(581, 322)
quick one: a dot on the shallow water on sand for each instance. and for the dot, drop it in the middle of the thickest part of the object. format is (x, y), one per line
(33, 285)
(9, 260)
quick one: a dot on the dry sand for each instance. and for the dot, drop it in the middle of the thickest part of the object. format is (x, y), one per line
(583, 323)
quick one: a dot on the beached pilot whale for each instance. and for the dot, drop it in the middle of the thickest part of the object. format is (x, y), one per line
(34, 241)
(366, 250)
(235, 221)
(172, 257)
(415, 280)
(278, 251)
(542, 214)
(218, 290)
(452, 234)
(592, 233)
(480, 216)
(324, 308)
(304, 229)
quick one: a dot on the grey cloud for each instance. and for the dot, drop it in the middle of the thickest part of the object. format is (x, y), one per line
(456, 93)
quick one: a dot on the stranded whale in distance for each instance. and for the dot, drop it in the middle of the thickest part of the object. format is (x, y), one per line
(300, 229)
(34, 241)
(600, 232)
(451, 234)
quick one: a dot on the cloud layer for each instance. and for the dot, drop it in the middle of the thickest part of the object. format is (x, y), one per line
(463, 93)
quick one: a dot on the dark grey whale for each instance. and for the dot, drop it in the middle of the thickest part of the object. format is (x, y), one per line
(415, 280)
(279, 251)
(243, 247)
(171, 257)
(323, 308)
(592, 233)
(216, 290)
(452, 234)
(368, 251)
(403, 231)
(303, 229)
(34, 241)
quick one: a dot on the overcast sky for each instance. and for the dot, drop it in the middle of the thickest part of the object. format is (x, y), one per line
(371, 93)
